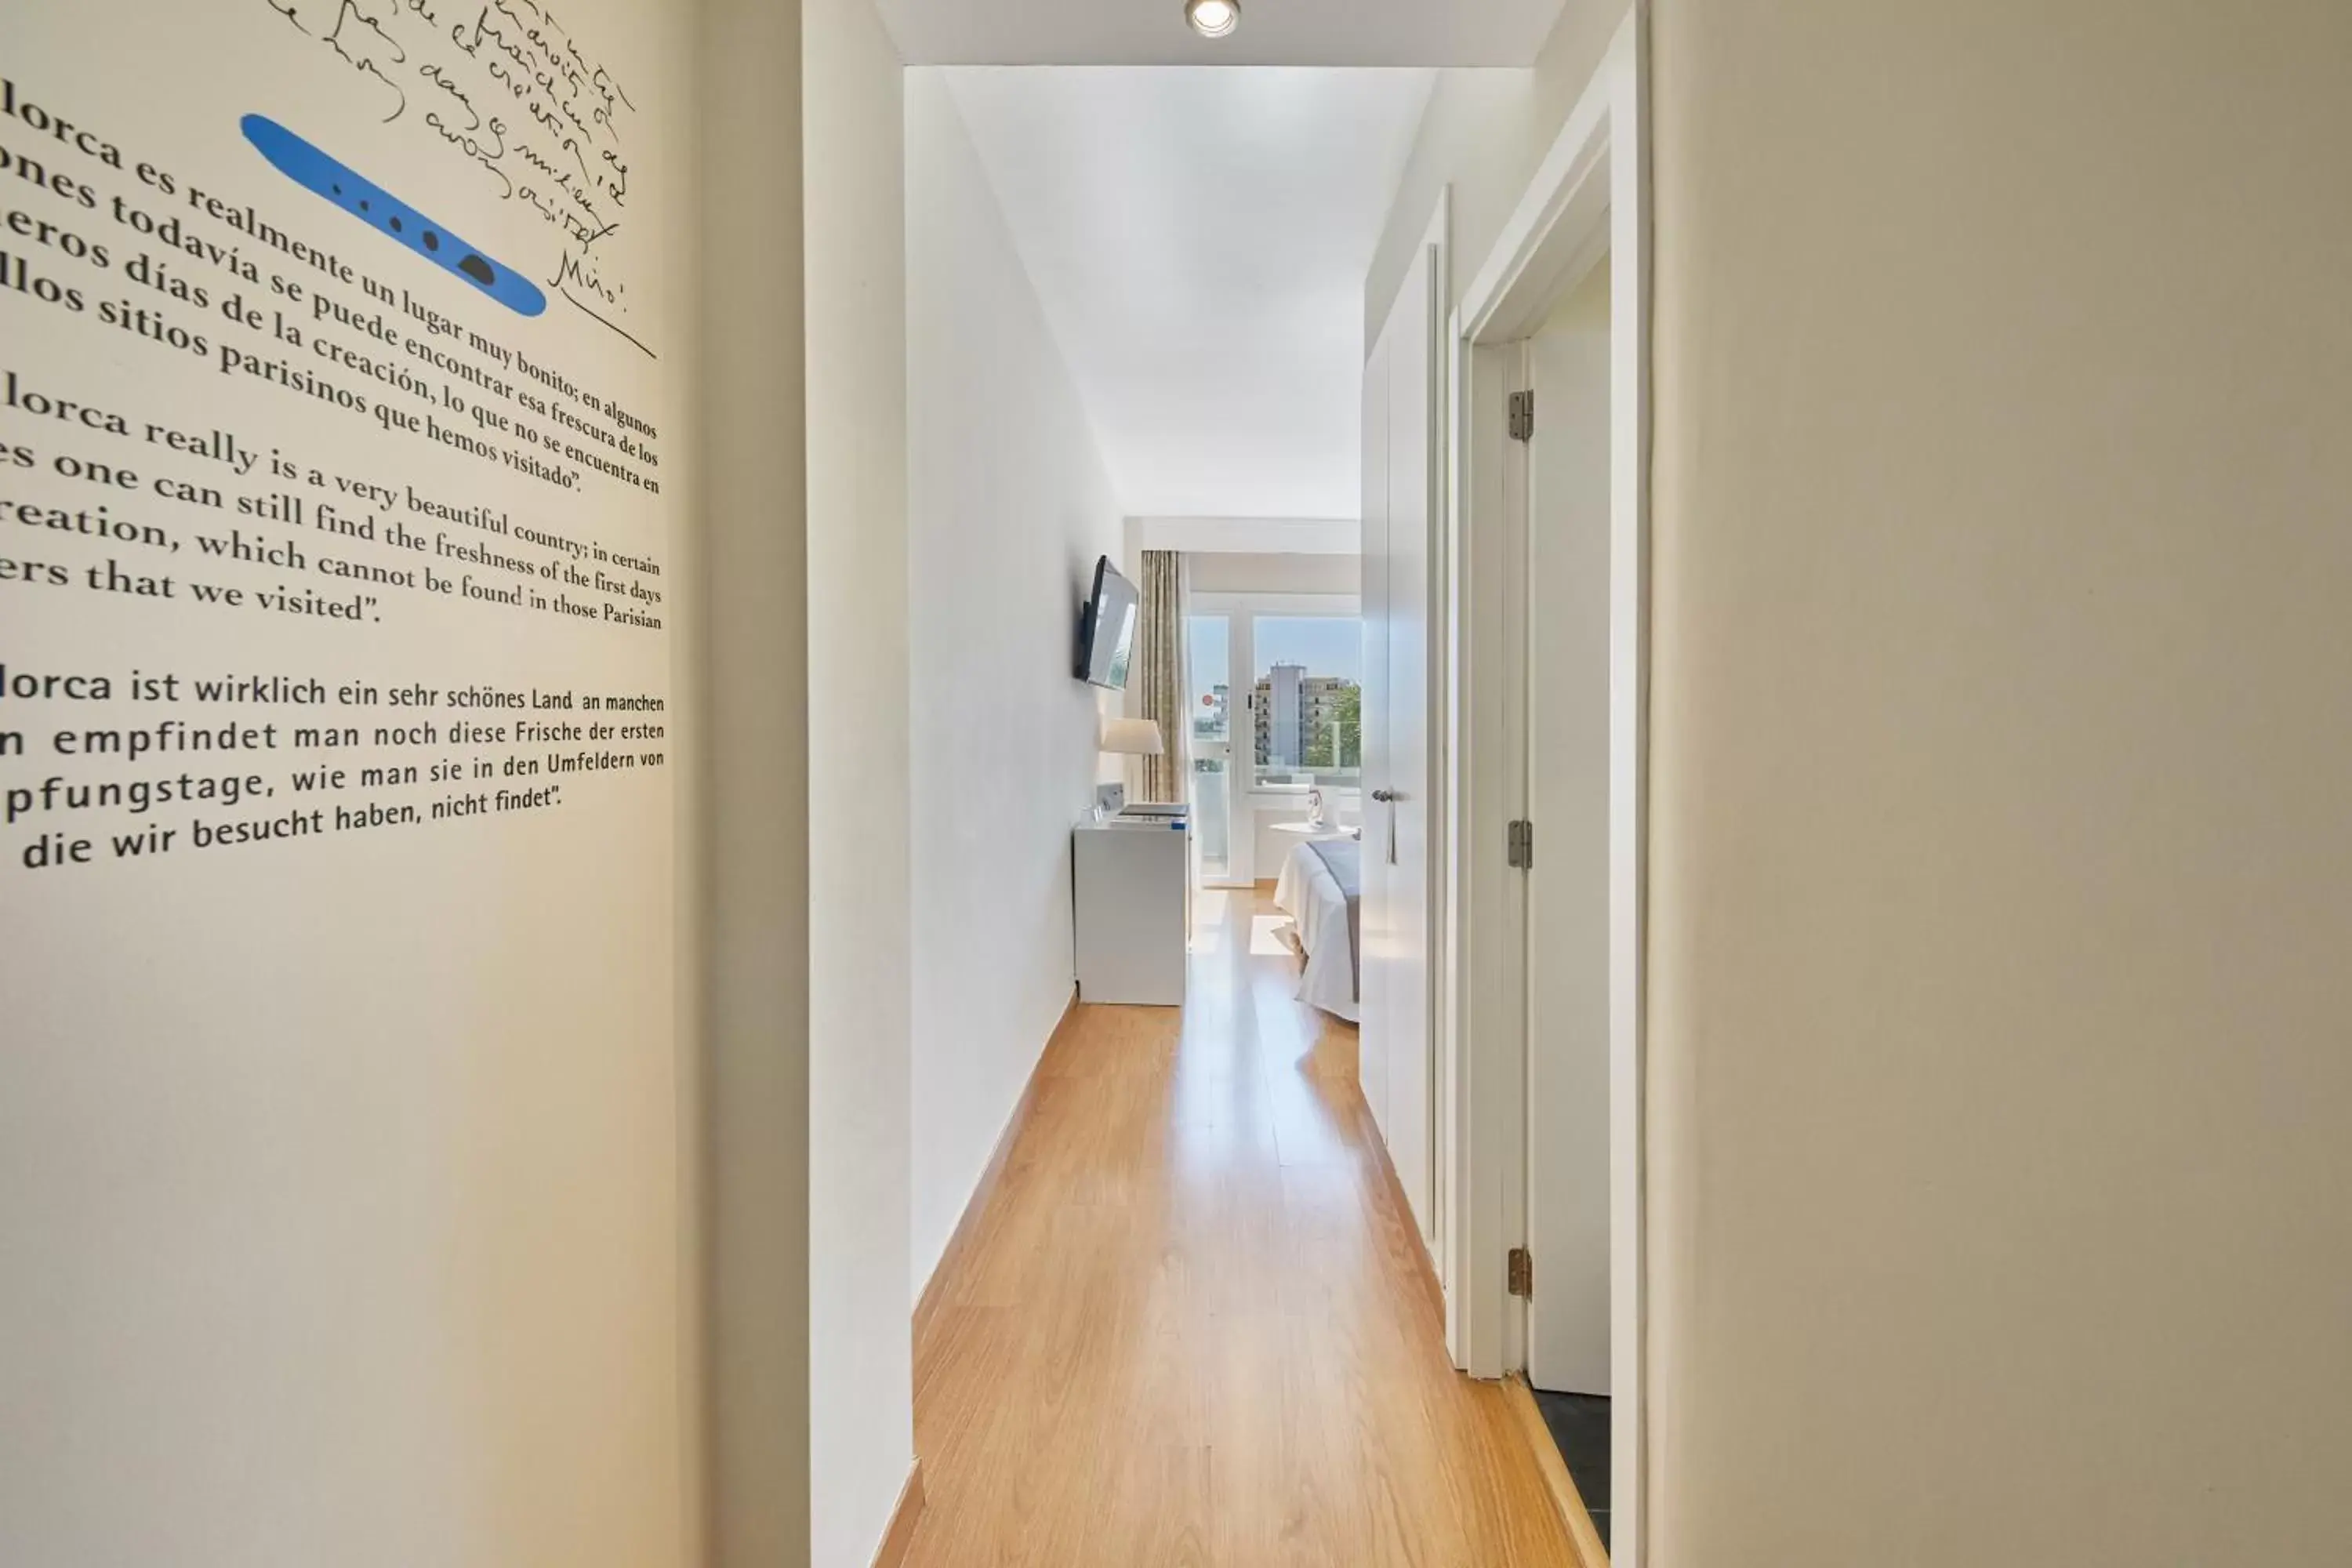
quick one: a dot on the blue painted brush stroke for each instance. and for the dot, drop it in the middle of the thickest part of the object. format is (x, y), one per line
(369, 202)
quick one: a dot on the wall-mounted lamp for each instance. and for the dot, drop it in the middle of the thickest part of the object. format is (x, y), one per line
(1132, 737)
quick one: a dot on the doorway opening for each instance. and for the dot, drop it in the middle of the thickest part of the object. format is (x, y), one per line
(1564, 589)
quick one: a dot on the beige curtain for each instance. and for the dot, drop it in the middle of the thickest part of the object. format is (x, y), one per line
(1160, 677)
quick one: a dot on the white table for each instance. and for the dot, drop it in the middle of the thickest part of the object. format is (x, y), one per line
(1131, 882)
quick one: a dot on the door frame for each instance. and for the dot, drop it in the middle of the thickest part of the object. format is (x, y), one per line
(1588, 205)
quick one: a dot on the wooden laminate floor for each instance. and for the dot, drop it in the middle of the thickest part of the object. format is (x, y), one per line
(1192, 1325)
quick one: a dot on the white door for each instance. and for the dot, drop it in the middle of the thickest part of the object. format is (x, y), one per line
(1568, 887)
(1399, 877)
(1372, 1067)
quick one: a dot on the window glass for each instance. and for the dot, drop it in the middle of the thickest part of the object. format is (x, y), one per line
(1307, 706)
(1208, 648)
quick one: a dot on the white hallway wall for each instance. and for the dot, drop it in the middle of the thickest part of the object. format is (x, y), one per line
(861, 1394)
(2002, 1104)
(743, 908)
(355, 1222)
(1484, 132)
(1240, 573)
(1009, 506)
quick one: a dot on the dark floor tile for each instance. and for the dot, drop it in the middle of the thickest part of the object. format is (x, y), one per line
(1580, 1427)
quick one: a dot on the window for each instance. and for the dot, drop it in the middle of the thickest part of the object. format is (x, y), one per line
(1278, 697)
(1307, 706)
(1276, 710)
(1208, 648)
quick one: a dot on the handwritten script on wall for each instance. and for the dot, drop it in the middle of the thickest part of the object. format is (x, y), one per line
(504, 89)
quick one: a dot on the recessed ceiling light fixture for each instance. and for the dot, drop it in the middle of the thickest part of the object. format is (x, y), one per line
(1213, 18)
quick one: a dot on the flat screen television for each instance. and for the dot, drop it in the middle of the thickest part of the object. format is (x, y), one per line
(1106, 628)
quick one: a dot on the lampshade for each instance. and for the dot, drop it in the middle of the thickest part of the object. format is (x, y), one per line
(1132, 737)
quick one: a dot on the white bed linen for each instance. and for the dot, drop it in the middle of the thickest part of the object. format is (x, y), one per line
(1319, 925)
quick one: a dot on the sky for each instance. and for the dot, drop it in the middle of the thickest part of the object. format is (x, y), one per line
(1326, 644)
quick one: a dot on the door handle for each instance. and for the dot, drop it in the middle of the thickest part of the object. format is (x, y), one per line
(1385, 796)
(1388, 798)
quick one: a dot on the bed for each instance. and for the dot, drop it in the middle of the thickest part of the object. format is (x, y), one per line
(1321, 890)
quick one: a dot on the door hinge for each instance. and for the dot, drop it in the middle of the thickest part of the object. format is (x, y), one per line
(1523, 1273)
(1523, 846)
(1523, 415)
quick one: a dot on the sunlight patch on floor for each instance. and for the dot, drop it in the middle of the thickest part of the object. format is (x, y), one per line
(1266, 939)
(1211, 915)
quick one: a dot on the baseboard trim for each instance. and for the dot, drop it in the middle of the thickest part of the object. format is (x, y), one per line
(1566, 1501)
(967, 1230)
(899, 1539)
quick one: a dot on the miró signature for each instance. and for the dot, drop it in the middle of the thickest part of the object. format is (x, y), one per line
(576, 272)
(578, 277)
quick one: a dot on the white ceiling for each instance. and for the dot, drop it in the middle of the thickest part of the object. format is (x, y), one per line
(1200, 240)
(1273, 33)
